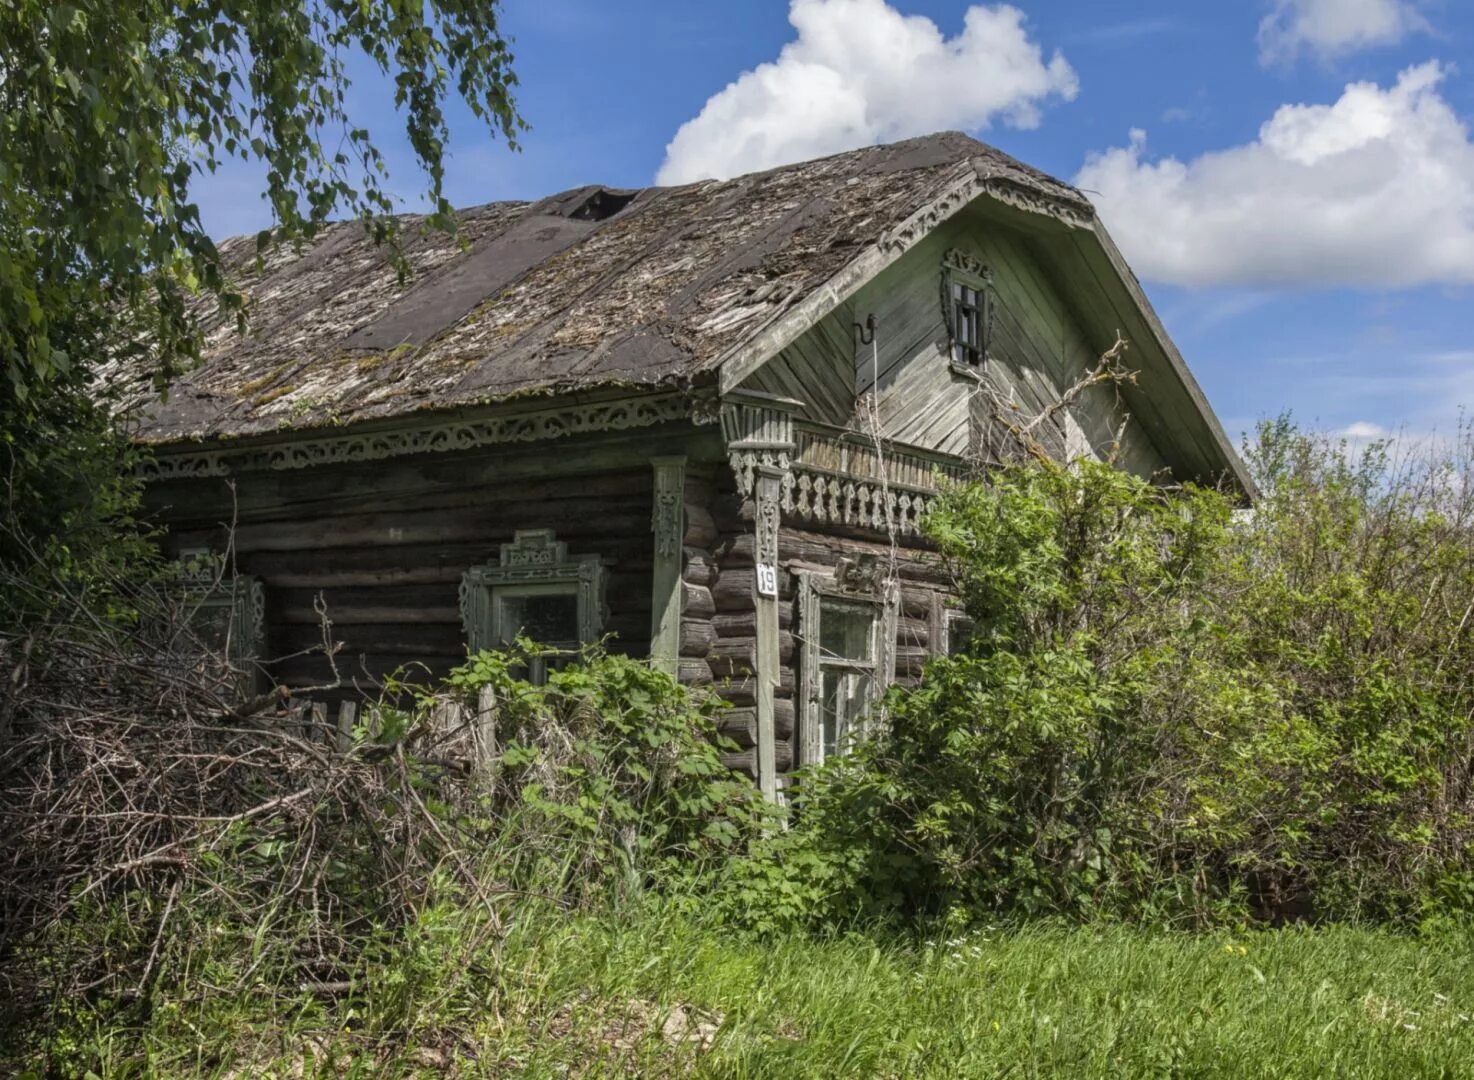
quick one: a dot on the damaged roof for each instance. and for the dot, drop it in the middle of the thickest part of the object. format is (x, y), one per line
(595, 287)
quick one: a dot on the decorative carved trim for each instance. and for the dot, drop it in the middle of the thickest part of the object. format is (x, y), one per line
(534, 547)
(914, 229)
(668, 523)
(1076, 214)
(534, 557)
(667, 513)
(767, 495)
(963, 267)
(862, 580)
(836, 499)
(968, 263)
(441, 437)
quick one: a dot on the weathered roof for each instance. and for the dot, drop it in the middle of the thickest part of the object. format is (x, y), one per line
(593, 287)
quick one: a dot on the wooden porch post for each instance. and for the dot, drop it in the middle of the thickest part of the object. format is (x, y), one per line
(668, 523)
(767, 493)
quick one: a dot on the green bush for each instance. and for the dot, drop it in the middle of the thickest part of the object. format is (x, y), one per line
(1172, 712)
(609, 776)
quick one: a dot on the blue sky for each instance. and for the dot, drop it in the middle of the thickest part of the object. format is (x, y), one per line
(1293, 179)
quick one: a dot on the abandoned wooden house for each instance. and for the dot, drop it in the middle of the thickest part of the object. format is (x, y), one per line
(704, 421)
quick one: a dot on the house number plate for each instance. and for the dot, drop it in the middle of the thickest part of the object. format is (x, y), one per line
(767, 580)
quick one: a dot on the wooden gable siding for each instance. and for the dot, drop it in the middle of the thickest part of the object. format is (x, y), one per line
(385, 543)
(1038, 351)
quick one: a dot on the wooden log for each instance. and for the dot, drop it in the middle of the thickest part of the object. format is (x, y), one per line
(740, 691)
(581, 522)
(699, 568)
(388, 604)
(915, 632)
(694, 672)
(916, 602)
(910, 660)
(734, 656)
(734, 589)
(825, 550)
(318, 730)
(744, 623)
(745, 761)
(740, 724)
(696, 602)
(697, 637)
(430, 482)
(701, 530)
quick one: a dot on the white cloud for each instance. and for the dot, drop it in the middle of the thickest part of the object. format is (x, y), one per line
(860, 72)
(1363, 430)
(1331, 28)
(1374, 190)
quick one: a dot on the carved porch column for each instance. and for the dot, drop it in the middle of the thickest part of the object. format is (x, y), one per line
(760, 445)
(668, 523)
(767, 496)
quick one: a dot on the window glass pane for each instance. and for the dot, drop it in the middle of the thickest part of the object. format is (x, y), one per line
(547, 618)
(844, 697)
(959, 629)
(211, 623)
(845, 630)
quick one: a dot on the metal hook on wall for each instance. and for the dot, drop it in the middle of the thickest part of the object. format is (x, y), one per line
(867, 331)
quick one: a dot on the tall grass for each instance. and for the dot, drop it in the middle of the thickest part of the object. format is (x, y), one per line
(654, 993)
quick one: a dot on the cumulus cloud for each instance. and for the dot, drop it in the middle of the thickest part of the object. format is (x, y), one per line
(1376, 189)
(1330, 28)
(860, 72)
(1363, 430)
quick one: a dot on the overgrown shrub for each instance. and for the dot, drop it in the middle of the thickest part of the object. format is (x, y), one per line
(1167, 713)
(163, 843)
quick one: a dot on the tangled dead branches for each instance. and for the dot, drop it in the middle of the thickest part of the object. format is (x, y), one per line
(1017, 435)
(135, 779)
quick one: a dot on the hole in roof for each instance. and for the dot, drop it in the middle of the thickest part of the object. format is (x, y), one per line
(602, 204)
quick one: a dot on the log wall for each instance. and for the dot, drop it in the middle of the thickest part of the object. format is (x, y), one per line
(385, 544)
(727, 613)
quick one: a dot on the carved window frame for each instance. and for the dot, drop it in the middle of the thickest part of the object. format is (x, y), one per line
(963, 272)
(208, 587)
(851, 583)
(535, 563)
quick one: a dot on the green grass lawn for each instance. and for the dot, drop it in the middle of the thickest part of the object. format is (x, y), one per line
(661, 997)
(1070, 1003)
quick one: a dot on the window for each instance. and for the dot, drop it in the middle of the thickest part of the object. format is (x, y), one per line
(538, 591)
(226, 617)
(967, 295)
(847, 623)
(950, 628)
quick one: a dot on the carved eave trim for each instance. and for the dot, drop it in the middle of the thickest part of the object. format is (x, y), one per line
(968, 185)
(441, 436)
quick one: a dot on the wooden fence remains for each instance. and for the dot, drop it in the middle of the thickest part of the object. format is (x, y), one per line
(447, 719)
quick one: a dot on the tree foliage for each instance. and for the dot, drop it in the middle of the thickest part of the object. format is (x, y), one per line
(109, 111)
(1169, 712)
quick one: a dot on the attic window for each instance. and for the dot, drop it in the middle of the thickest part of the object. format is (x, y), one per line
(968, 305)
(603, 204)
